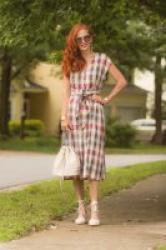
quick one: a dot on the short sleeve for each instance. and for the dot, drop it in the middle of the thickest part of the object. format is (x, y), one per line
(106, 63)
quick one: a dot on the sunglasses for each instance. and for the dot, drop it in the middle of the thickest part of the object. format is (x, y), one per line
(80, 39)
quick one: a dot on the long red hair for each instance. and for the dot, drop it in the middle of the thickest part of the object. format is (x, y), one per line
(72, 58)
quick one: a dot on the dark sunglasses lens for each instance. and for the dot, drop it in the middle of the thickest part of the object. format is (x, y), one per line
(83, 38)
(78, 39)
(87, 38)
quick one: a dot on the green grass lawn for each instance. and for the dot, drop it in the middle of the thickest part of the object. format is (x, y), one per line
(51, 145)
(139, 148)
(34, 206)
(34, 144)
(160, 248)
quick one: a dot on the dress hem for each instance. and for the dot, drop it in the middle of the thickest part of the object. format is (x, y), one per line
(78, 177)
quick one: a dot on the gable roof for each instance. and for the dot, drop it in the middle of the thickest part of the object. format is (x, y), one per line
(29, 87)
(130, 88)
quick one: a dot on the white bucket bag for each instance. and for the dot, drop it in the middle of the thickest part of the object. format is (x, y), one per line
(67, 162)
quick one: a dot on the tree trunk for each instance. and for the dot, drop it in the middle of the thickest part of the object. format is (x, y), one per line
(157, 138)
(5, 94)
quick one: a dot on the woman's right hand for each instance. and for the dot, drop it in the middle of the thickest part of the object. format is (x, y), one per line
(66, 125)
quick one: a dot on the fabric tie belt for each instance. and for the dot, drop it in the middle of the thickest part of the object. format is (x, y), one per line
(80, 107)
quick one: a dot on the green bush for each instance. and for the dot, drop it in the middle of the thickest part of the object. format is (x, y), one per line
(32, 127)
(14, 127)
(119, 134)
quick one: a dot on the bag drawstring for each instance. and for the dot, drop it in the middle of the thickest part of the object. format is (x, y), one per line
(61, 180)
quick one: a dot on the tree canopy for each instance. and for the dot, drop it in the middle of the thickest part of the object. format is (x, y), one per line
(130, 32)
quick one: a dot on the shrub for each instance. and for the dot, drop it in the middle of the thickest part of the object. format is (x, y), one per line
(32, 127)
(14, 127)
(119, 134)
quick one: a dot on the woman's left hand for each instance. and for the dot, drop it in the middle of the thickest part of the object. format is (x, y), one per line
(99, 99)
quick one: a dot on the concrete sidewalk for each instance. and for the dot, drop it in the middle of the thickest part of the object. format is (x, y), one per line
(132, 219)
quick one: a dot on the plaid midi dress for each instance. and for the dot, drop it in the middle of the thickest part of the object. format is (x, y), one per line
(87, 118)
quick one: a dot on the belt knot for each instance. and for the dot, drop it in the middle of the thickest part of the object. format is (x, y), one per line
(79, 107)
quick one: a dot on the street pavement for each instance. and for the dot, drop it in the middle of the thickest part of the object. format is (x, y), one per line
(20, 168)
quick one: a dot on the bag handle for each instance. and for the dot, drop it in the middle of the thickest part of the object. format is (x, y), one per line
(64, 138)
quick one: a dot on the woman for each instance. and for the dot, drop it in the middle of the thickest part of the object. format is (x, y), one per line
(83, 114)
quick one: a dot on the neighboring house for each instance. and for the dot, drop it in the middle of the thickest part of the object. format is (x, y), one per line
(129, 104)
(40, 97)
(146, 80)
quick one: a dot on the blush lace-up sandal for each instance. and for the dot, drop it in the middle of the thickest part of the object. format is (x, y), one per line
(81, 219)
(94, 220)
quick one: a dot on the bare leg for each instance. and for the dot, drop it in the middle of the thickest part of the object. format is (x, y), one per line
(93, 192)
(79, 188)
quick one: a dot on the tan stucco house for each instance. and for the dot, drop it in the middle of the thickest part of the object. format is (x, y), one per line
(40, 97)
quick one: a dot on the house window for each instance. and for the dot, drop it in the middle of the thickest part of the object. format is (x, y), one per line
(26, 106)
(9, 110)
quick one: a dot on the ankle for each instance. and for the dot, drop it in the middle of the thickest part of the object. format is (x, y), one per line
(94, 207)
(80, 201)
(95, 215)
(81, 207)
(94, 203)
